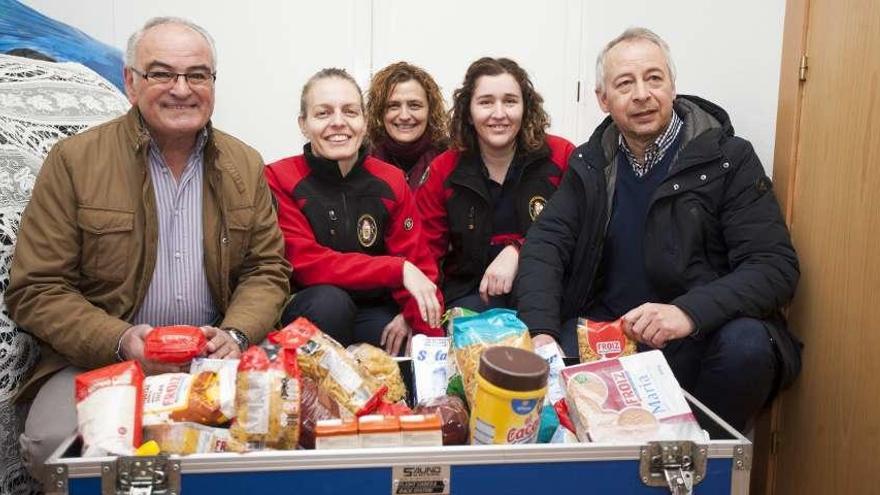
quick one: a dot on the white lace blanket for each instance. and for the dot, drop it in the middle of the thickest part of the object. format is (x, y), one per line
(40, 103)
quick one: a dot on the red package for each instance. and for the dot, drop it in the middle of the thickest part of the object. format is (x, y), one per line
(109, 404)
(395, 409)
(174, 344)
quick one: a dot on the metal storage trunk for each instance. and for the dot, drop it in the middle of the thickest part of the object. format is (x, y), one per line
(719, 466)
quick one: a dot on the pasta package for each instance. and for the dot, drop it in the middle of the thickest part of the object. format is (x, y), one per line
(179, 397)
(328, 363)
(381, 366)
(267, 400)
(599, 340)
(471, 335)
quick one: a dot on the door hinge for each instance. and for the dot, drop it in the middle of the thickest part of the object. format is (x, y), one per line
(802, 70)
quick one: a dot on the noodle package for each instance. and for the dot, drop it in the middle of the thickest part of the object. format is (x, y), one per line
(471, 335)
(381, 366)
(334, 369)
(598, 340)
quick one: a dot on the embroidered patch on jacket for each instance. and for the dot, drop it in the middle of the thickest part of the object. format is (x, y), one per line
(408, 223)
(367, 231)
(536, 206)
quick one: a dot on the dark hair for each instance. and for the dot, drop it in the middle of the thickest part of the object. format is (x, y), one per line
(326, 74)
(383, 85)
(534, 121)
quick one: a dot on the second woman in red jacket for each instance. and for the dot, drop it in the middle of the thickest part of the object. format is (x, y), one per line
(351, 230)
(480, 197)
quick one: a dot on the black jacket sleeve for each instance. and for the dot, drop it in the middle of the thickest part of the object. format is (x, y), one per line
(764, 266)
(546, 256)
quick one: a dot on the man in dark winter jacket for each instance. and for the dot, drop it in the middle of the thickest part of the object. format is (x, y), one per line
(667, 220)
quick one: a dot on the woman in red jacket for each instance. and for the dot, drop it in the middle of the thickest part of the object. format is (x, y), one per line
(479, 198)
(406, 121)
(350, 227)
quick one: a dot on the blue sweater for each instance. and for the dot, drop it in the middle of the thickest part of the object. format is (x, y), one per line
(625, 280)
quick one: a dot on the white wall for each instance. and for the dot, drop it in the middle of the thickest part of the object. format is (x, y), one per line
(728, 52)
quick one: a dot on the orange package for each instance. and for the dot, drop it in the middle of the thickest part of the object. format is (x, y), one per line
(174, 344)
(598, 340)
(108, 409)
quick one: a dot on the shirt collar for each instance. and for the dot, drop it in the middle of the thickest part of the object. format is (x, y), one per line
(656, 150)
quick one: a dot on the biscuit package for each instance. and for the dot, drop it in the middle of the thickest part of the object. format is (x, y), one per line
(632, 399)
(174, 344)
(328, 363)
(598, 340)
(471, 335)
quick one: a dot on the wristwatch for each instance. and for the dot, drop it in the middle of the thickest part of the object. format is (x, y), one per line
(239, 337)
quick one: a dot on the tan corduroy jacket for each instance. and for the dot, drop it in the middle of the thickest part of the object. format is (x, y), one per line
(87, 245)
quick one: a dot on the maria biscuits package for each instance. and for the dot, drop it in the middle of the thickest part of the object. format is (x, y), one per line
(632, 399)
(598, 340)
(174, 344)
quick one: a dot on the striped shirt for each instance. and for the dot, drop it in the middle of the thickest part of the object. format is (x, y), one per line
(655, 151)
(179, 293)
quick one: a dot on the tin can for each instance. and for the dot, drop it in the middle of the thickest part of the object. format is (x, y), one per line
(511, 384)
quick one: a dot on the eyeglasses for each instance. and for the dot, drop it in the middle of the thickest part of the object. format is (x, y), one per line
(161, 77)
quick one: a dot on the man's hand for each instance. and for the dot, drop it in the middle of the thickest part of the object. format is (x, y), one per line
(221, 345)
(394, 335)
(543, 339)
(424, 292)
(498, 279)
(656, 324)
(132, 346)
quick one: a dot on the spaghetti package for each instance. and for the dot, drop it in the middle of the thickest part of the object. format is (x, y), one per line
(178, 397)
(174, 344)
(471, 335)
(381, 366)
(267, 400)
(599, 340)
(191, 438)
(328, 363)
(108, 409)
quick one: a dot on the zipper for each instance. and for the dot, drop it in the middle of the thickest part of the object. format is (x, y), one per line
(346, 218)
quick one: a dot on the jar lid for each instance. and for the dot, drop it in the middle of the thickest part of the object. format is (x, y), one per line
(513, 369)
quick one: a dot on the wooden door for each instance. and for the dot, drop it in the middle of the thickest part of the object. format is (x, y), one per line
(828, 176)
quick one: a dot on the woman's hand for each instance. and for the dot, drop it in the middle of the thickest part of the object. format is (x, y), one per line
(396, 332)
(424, 292)
(498, 279)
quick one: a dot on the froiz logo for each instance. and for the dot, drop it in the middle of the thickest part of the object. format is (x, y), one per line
(422, 471)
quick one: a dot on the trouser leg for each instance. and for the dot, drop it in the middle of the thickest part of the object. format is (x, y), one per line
(370, 321)
(731, 370)
(330, 308)
(51, 419)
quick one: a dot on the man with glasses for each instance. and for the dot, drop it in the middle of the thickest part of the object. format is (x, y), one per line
(149, 220)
